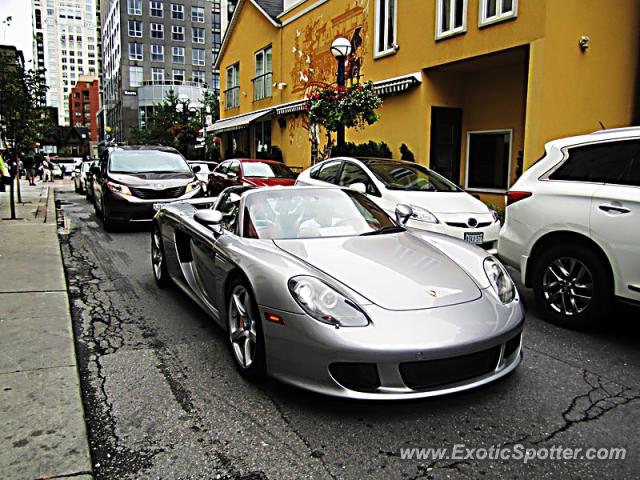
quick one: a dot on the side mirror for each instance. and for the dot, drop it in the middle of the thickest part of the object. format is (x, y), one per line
(208, 217)
(403, 213)
(196, 168)
(358, 187)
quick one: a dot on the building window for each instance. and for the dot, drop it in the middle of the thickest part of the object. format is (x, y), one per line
(451, 18)
(177, 11)
(157, 53)
(263, 136)
(197, 35)
(177, 54)
(197, 56)
(215, 82)
(178, 75)
(136, 76)
(488, 160)
(198, 76)
(157, 74)
(156, 9)
(134, 7)
(177, 33)
(135, 28)
(197, 14)
(157, 30)
(135, 51)
(232, 93)
(386, 17)
(263, 74)
(492, 11)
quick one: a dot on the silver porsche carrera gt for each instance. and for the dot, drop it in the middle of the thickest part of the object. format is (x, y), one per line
(320, 288)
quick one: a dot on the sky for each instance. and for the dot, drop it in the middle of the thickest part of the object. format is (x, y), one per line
(19, 33)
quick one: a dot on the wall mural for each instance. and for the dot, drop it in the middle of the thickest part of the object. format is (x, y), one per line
(314, 63)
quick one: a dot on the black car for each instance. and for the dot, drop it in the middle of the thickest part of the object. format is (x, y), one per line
(88, 180)
(131, 183)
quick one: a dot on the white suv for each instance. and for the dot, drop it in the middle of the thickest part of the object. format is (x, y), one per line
(573, 225)
(437, 204)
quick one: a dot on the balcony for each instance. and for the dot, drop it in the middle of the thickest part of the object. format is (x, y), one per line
(153, 92)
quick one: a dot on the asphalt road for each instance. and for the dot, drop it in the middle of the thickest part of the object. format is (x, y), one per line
(163, 399)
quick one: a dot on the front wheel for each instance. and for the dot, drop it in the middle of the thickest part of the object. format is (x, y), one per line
(158, 259)
(245, 331)
(572, 286)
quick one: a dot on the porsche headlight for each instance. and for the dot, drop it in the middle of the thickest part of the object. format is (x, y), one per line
(499, 279)
(193, 186)
(326, 304)
(117, 187)
(423, 215)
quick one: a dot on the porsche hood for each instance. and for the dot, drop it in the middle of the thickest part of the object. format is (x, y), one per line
(394, 271)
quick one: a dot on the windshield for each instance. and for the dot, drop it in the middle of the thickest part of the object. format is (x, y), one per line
(266, 170)
(411, 177)
(145, 161)
(313, 213)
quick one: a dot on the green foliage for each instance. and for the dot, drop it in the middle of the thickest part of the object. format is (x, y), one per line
(369, 149)
(353, 107)
(406, 153)
(171, 124)
(273, 153)
(23, 122)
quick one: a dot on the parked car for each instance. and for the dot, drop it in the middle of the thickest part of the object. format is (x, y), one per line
(88, 181)
(131, 183)
(56, 171)
(573, 226)
(248, 171)
(438, 205)
(320, 288)
(79, 176)
(206, 169)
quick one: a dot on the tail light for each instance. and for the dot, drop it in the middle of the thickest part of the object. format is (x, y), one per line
(515, 196)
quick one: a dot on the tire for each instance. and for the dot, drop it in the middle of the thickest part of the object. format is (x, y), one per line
(158, 259)
(242, 328)
(108, 224)
(572, 286)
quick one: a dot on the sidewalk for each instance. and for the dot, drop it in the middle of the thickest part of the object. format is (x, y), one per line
(42, 427)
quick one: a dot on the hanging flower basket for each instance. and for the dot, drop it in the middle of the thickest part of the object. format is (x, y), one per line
(353, 107)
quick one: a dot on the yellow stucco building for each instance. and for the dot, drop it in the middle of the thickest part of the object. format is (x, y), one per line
(473, 87)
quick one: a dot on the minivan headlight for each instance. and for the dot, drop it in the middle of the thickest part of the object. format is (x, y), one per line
(118, 188)
(193, 186)
(499, 279)
(326, 304)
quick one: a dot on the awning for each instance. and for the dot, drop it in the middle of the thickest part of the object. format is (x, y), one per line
(395, 85)
(239, 121)
(389, 86)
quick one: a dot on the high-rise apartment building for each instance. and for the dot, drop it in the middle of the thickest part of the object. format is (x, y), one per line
(154, 46)
(66, 46)
(84, 102)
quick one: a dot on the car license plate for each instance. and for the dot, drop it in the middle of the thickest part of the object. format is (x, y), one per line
(158, 206)
(474, 237)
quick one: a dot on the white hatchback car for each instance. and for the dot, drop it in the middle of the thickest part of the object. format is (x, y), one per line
(573, 225)
(438, 205)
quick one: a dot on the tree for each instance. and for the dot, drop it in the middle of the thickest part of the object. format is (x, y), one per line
(171, 123)
(23, 121)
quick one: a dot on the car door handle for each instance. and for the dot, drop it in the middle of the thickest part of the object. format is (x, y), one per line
(605, 207)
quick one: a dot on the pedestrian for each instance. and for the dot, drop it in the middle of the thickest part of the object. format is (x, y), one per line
(4, 174)
(47, 170)
(29, 166)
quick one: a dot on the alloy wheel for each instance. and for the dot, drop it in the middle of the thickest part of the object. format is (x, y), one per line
(567, 286)
(242, 327)
(157, 257)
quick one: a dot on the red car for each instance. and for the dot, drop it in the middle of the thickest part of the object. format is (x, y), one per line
(249, 171)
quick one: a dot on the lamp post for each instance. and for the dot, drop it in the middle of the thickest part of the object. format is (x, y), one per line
(341, 49)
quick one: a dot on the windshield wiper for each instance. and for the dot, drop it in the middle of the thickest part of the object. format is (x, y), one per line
(383, 230)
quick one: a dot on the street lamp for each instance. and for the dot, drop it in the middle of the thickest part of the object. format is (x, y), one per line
(341, 49)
